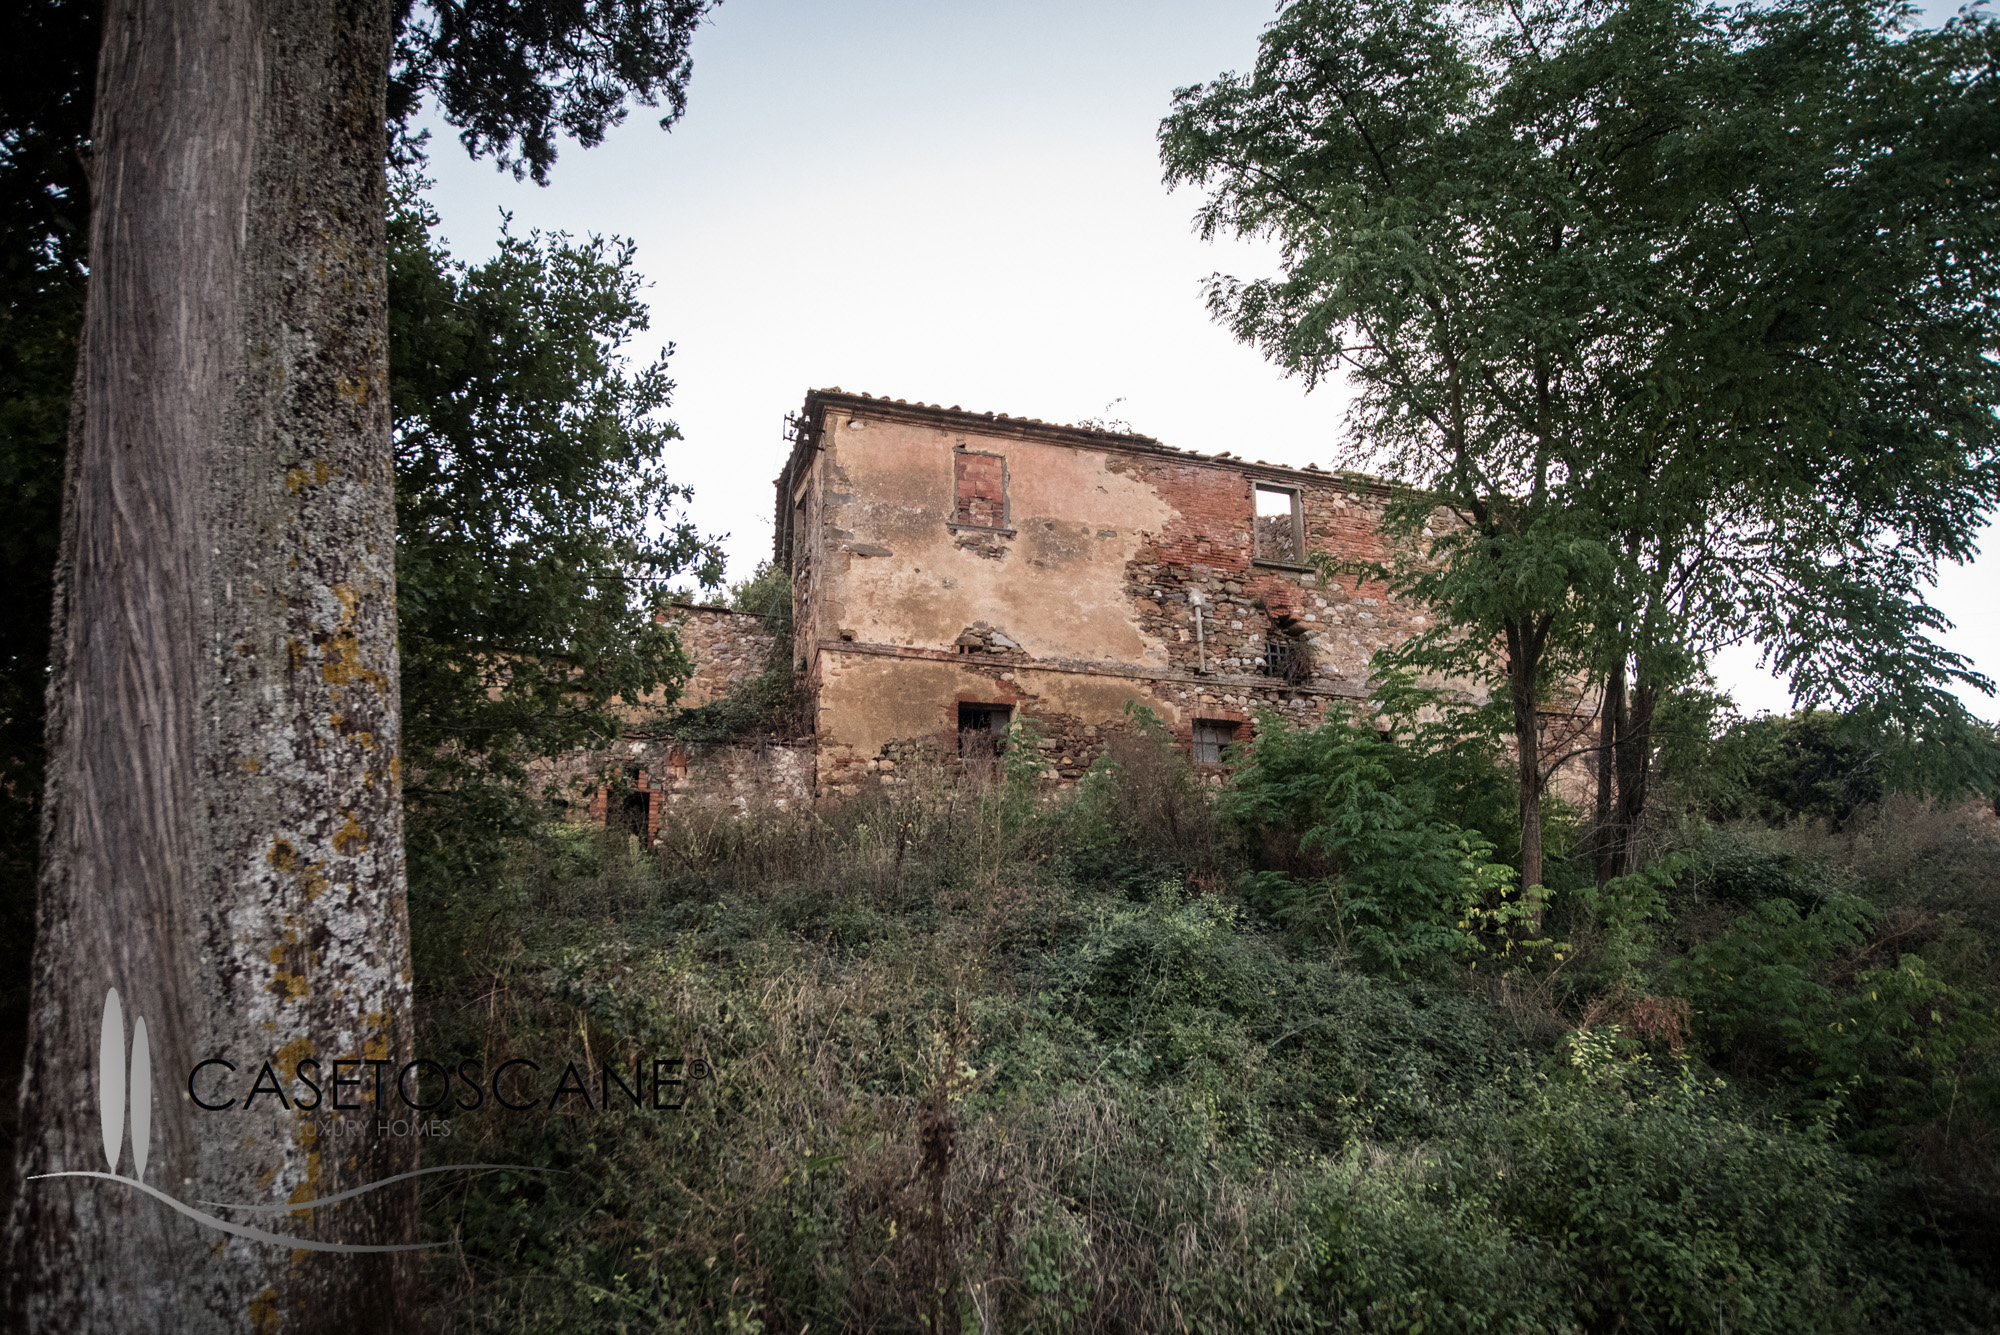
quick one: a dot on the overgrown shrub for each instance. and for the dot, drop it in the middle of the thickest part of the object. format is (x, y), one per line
(990, 1059)
(1345, 824)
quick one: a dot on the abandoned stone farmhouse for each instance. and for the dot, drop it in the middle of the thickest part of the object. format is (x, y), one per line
(954, 571)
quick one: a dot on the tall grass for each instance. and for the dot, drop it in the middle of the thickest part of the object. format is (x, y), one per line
(987, 1059)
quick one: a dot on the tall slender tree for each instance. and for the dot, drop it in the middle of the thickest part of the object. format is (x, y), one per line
(222, 833)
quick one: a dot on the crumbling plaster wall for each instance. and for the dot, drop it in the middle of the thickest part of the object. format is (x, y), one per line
(1119, 571)
(894, 570)
(1082, 601)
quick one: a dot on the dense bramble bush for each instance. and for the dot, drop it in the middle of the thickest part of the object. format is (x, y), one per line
(1136, 1058)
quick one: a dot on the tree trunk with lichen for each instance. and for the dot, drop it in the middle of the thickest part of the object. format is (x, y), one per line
(222, 840)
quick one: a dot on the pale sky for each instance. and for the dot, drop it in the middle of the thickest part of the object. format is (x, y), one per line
(952, 202)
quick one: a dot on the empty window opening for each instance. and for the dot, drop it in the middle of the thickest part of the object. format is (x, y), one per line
(635, 817)
(1280, 528)
(982, 729)
(982, 490)
(1210, 737)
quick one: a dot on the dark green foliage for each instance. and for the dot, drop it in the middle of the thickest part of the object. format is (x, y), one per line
(1675, 318)
(1349, 822)
(534, 523)
(512, 76)
(1162, 1109)
(1817, 764)
(48, 64)
(1875, 1043)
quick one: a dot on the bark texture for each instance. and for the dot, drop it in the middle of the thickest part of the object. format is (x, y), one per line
(222, 834)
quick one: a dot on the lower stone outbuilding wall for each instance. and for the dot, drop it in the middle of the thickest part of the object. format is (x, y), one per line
(656, 776)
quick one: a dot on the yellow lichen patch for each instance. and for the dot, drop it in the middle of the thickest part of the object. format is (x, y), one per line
(264, 1311)
(343, 667)
(277, 954)
(282, 856)
(252, 766)
(349, 601)
(353, 389)
(289, 1056)
(321, 472)
(351, 839)
(288, 986)
(295, 654)
(294, 479)
(395, 771)
(268, 1176)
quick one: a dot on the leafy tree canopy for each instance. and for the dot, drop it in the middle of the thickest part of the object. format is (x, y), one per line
(1678, 317)
(513, 76)
(535, 521)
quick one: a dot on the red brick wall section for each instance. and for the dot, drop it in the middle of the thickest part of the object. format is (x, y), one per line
(1205, 555)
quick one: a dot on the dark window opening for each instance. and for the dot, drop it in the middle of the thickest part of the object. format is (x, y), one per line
(1280, 527)
(981, 496)
(635, 817)
(1210, 737)
(1287, 657)
(982, 729)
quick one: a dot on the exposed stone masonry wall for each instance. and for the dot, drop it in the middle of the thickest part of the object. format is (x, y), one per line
(728, 649)
(1207, 552)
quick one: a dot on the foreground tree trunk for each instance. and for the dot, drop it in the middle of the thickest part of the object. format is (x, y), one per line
(222, 840)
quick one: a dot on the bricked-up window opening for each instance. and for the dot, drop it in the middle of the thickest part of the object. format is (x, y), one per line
(1210, 737)
(981, 730)
(982, 490)
(1279, 526)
